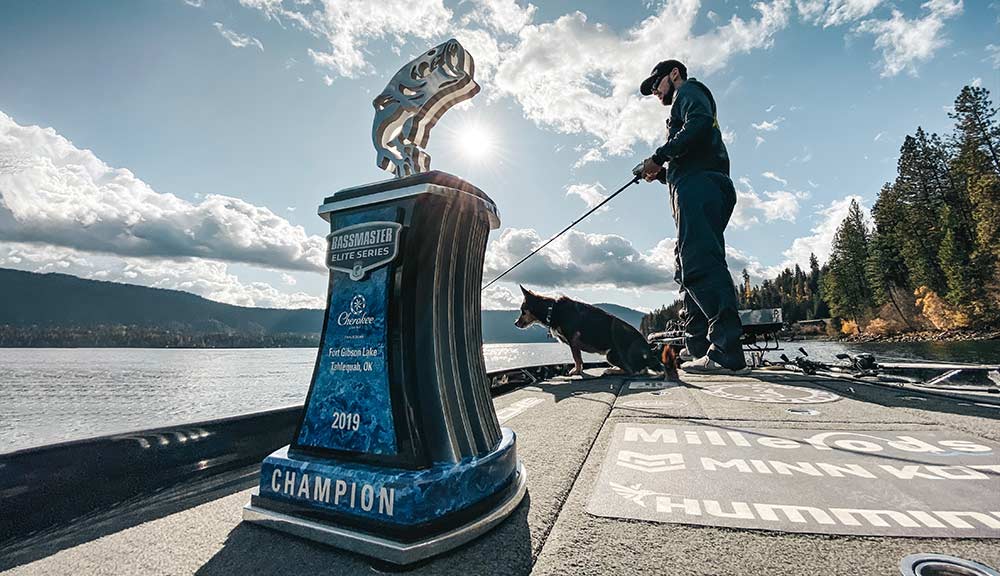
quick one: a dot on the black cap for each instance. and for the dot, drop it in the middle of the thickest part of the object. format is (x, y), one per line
(661, 70)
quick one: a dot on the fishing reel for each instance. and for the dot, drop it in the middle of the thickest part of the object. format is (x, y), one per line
(862, 364)
(804, 364)
(637, 172)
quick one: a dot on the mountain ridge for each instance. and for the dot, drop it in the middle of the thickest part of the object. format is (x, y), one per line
(54, 302)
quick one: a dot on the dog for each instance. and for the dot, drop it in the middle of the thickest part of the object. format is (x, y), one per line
(671, 362)
(587, 328)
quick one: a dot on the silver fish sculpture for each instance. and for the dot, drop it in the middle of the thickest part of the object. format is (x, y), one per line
(414, 100)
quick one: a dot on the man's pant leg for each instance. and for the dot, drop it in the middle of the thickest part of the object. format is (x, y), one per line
(692, 319)
(695, 327)
(704, 203)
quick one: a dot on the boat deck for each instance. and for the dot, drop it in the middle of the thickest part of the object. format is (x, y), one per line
(568, 434)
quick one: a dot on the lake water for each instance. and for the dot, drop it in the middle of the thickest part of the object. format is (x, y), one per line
(50, 395)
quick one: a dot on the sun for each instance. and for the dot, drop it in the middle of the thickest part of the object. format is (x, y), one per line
(476, 142)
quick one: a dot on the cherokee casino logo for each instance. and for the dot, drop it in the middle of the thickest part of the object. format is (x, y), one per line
(355, 315)
(357, 304)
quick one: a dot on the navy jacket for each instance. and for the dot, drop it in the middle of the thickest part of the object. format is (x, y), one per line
(694, 139)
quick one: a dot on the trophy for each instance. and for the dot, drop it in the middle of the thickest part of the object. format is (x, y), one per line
(399, 454)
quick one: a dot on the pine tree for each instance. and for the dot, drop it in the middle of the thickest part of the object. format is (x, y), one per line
(885, 272)
(886, 268)
(813, 273)
(918, 187)
(745, 293)
(977, 164)
(845, 287)
(958, 259)
(975, 121)
(657, 320)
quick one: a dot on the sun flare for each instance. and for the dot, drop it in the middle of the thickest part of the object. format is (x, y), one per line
(476, 142)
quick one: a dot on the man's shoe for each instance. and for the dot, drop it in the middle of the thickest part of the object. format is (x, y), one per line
(685, 356)
(706, 365)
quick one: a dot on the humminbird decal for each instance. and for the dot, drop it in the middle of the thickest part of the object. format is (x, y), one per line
(914, 483)
(362, 247)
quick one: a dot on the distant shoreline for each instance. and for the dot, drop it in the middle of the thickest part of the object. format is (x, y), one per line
(928, 336)
(986, 335)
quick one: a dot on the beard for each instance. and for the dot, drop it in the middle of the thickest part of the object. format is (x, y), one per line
(668, 96)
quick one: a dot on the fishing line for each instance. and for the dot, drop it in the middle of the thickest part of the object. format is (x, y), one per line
(635, 179)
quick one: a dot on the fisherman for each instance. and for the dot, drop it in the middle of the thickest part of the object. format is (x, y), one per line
(702, 198)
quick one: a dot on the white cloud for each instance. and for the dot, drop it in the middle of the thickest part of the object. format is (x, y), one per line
(581, 260)
(485, 53)
(52, 192)
(835, 12)
(236, 39)
(993, 57)
(977, 82)
(195, 3)
(596, 261)
(498, 297)
(820, 242)
(758, 141)
(348, 26)
(812, 184)
(738, 261)
(750, 207)
(591, 194)
(503, 16)
(769, 108)
(804, 158)
(780, 205)
(592, 155)
(728, 136)
(579, 77)
(905, 42)
(769, 126)
(878, 136)
(209, 279)
(772, 176)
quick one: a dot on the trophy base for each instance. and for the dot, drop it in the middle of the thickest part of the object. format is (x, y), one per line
(282, 517)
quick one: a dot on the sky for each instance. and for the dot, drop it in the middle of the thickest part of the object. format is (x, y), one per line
(186, 144)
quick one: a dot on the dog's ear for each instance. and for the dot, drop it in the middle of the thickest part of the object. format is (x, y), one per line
(525, 291)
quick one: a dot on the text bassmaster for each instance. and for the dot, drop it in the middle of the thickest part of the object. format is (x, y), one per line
(364, 238)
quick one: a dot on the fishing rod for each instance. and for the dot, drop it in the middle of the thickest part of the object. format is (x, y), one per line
(864, 365)
(636, 176)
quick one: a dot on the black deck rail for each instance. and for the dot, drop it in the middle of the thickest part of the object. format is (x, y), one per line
(47, 486)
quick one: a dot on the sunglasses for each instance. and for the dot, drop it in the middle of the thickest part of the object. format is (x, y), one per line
(656, 83)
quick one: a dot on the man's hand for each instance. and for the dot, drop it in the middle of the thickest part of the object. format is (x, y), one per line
(650, 169)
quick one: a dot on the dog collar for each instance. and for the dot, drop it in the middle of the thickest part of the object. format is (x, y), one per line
(548, 315)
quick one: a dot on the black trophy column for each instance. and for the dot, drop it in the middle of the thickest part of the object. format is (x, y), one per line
(442, 334)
